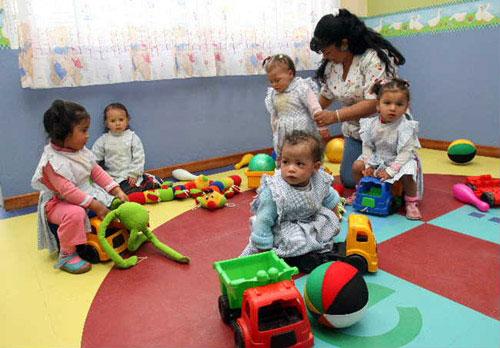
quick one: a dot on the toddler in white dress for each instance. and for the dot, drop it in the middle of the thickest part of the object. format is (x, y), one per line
(291, 101)
(390, 144)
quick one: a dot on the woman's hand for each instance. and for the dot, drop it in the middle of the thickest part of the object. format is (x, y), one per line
(100, 209)
(324, 118)
(118, 192)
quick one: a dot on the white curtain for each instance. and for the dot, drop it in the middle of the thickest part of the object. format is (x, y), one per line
(65, 43)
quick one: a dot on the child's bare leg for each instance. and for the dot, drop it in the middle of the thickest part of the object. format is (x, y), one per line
(357, 170)
(411, 199)
(357, 173)
(409, 185)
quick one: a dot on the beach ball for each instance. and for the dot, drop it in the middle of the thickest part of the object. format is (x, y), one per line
(462, 151)
(262, 163)
(336, 294)
(334, 150)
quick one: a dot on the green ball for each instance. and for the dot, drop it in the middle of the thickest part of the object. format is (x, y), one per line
(336, 295)
(461, 151)
(262, 163)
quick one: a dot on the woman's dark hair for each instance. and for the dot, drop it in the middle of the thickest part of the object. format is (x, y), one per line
(271, 61)
(313, 140)
(395, 84)
(331, 30)
(119, 106)
(60, 119)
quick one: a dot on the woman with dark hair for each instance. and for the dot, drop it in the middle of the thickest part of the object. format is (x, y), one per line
(354, 57)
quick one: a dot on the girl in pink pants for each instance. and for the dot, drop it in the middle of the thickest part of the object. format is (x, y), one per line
(70, 183)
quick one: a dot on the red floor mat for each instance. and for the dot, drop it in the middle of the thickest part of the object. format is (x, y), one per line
(179, 307)
(462, 268)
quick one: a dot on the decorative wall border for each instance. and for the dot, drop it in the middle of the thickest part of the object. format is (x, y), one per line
(441, 18)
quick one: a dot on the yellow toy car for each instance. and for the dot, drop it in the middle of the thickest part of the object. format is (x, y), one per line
(360, 246)
(116, 235)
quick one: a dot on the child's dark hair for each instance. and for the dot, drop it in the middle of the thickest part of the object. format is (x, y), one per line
(331, 30)
(271, 61)
(119, 106)
(60, 119)
(395, 84)
(315, 143)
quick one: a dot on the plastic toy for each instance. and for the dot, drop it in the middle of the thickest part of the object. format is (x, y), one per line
(336, 294)
(360, 246)
(334, 150)
(116, 235)
(485, 188)
(183, 175)
(92, 251)
(253, 178)
(136, 219)
(374, 196)
(244, 161)
(274, 313)
(465, 194)
(262, 162)
(461, 151)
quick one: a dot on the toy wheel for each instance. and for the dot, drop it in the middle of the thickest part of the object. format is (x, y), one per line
(239, 342)
(88, 253)
(358, 261)
(224, 310)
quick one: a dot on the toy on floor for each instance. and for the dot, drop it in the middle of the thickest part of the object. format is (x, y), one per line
(192, 189)
(212, 201)
(244, 161)
(116, 235)
(136, 219)
(336, 294)
(360, 246)
(334, 150)
(92, 251)
(216, 200)
(274, 309)
(461, 151)
(262, 162)
(465, 194)
(485, 188)
(374, 196)
(183, 175)
(259, 165)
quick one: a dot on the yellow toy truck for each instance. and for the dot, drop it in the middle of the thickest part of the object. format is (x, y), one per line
(360, 246)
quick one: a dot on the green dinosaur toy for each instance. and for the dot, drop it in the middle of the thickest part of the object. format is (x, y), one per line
(136, 219)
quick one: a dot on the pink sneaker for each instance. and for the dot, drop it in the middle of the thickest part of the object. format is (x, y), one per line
(412, 211)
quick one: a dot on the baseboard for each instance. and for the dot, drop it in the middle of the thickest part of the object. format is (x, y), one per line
(30, 199)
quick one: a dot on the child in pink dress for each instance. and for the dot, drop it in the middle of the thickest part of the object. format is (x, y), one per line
(71, 182)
